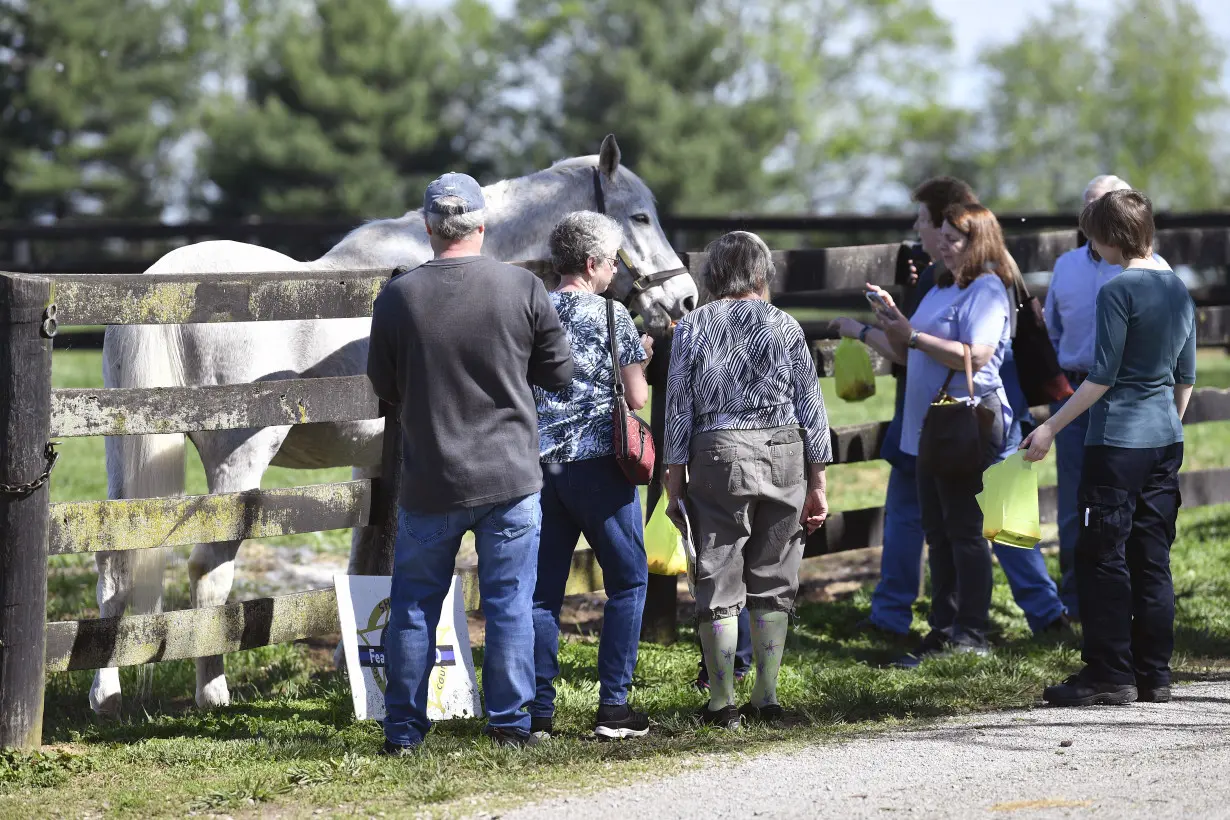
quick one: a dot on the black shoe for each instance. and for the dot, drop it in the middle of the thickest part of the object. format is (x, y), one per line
(1059, 629)
(1152, 694)
(507, 737)
(391, 749)
(874, 631)
(619, 722)
(725, 718)
(1077, 691)
(933, 644)
(769, 713)
(702, 678)
(542, 727)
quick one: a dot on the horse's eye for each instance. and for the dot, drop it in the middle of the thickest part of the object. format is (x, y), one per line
(641, 218)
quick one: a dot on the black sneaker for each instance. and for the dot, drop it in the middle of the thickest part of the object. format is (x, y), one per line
(619, 722)
(933, 644)
(507, 737)
(542, 727)
(1152, 694)
(874, 631)
(391, 749)
(727, 717)
(769, 713)
(1077, 691)
(1059, 629)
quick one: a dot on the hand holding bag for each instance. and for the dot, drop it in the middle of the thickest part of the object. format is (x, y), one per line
(955, 432)
(631, 436)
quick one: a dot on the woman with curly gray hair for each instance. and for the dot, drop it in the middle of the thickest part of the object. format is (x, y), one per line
(746, 443)
(584, 491)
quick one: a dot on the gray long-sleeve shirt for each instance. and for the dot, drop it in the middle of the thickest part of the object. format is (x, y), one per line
(456, 344)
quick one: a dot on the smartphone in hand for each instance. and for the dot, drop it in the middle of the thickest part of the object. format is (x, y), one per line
(878, 305)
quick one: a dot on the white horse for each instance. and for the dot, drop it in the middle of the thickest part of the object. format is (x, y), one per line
(519, 216)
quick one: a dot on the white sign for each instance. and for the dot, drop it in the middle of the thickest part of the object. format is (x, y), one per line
(363, 606)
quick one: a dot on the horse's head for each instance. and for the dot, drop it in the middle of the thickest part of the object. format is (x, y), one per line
(651, 281)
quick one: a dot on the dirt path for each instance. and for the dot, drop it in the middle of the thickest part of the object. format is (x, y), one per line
(1152, 761)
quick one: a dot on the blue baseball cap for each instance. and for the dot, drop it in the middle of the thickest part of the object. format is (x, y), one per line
(453, 184)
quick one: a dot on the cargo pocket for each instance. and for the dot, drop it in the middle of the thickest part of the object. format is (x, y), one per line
(720, 470)
(1105, 522)
(787, 463)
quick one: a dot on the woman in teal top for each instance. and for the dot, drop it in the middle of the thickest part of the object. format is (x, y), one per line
(1137, 393)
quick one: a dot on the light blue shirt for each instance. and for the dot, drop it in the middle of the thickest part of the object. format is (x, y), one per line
(1070, 299)
(978, 315)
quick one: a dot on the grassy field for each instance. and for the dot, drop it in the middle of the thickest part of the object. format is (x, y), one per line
(289, 745)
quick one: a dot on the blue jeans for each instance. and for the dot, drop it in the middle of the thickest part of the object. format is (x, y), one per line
(506, 539)
(592, 497)
(1069, 455)
(901, 563)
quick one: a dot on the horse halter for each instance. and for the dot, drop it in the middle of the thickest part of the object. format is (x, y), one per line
(641, 282)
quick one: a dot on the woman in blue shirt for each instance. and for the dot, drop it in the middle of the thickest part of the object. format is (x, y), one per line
(1136, 393)
(584, 491)
(967, 311)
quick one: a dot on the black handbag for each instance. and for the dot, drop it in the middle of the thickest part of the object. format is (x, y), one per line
(1041, 378)
(955, 432)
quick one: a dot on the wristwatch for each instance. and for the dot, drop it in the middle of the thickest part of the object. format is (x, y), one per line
(862, 334)
(913, 343)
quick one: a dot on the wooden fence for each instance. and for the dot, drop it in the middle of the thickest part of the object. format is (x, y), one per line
(32, 414)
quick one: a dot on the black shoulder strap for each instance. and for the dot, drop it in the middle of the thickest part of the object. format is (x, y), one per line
(614, 344)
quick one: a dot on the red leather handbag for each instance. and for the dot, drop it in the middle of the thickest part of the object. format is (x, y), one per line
(631, 435)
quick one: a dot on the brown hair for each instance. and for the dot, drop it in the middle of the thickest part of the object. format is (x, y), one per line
(1121, 219)
(985, 246)
(938, 193)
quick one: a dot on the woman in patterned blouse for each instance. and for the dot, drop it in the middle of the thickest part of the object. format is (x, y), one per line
(746, 420)
(584, 490)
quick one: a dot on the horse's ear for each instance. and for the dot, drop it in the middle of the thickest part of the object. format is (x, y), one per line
(608, 156)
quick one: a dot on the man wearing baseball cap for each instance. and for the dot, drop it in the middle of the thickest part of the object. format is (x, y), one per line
(455, 345)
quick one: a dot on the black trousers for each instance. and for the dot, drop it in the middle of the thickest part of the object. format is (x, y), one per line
(958, 555)
(1129, 500)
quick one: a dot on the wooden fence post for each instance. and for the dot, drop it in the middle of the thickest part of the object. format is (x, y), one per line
(376, 555)
(25, 427)
(660, 619)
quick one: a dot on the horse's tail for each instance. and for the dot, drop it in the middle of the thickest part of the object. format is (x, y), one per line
(144, 466)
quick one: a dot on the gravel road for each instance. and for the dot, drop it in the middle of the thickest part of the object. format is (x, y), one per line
(1152, 761)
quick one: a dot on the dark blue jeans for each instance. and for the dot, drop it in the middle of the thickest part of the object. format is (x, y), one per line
(506, 539)
(594, 498)
(1069, 456)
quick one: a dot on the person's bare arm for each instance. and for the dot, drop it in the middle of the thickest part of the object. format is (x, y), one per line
(1182, 395)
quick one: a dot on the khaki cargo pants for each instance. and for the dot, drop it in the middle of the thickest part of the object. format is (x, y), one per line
(745, 494)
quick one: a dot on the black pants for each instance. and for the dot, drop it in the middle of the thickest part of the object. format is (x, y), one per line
(1129, 500)
(959, 557)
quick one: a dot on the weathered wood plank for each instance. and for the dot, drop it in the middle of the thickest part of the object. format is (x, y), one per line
(130, 411)
(1213, 327)
(191, 633)
(158, 298)
(141, 523)
(857, 442)
(584, 577)
(1207, 404)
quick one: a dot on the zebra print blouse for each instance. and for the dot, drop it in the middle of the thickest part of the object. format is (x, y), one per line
(742, 364)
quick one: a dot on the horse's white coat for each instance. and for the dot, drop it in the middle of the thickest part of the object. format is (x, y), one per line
(519, 216)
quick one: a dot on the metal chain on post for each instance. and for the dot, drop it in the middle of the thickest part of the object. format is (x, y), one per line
(30, 487)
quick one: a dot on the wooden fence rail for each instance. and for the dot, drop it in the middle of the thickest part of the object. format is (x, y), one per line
(31, 413)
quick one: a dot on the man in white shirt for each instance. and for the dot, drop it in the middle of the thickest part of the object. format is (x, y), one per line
(1070, 300)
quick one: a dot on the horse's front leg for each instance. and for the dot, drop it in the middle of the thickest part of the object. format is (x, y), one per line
(233, 463)
(114, 589)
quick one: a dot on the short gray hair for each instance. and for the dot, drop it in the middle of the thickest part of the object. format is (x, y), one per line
(580, 236)
(1105, 183)
(736, 264)
(456, 223)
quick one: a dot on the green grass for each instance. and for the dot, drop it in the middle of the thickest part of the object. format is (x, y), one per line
(289, 743)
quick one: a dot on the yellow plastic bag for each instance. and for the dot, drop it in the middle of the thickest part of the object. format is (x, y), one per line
(1009, 502)
(663, 546)
(856, 381)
